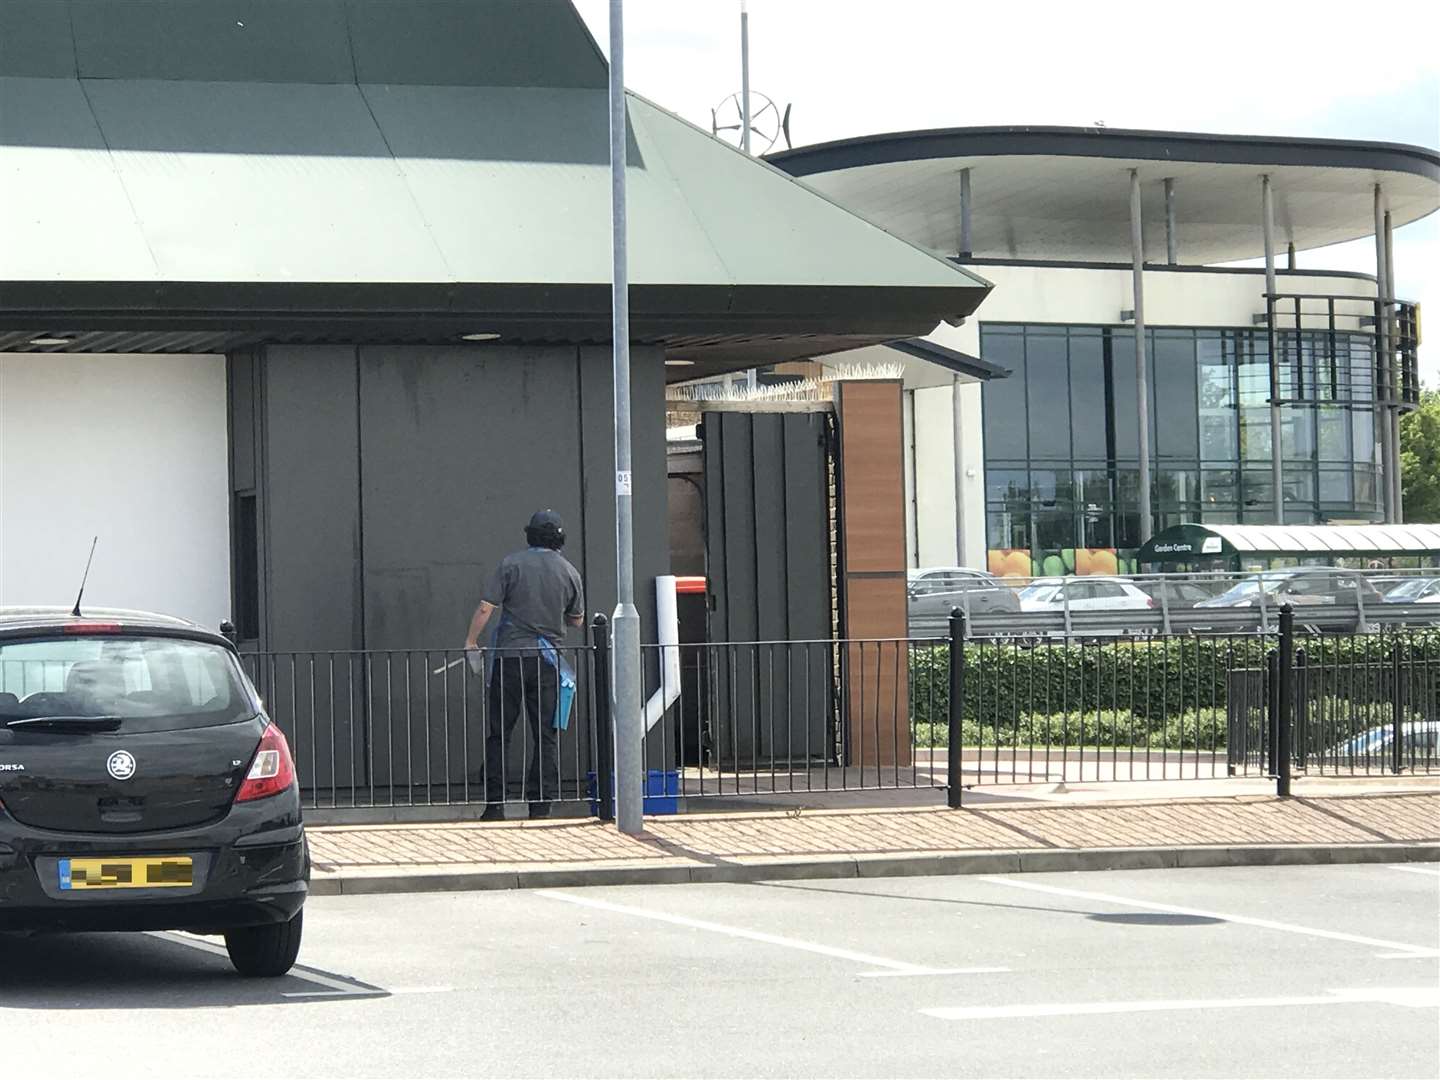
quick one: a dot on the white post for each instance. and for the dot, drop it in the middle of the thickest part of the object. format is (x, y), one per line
(1277, 429)
(967, 246)
(625, 626)
(957, 434)
(1142, 373)
(1397, 376)
(1170, 224)
(1384, 378)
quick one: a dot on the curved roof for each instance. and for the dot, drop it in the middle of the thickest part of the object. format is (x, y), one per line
(1063, 192)
(1186, 543)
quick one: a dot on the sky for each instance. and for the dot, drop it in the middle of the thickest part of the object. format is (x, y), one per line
(1265, 67)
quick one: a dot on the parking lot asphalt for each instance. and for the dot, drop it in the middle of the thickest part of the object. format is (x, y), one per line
(1270, 971)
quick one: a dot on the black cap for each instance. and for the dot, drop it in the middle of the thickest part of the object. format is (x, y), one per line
(545, 519)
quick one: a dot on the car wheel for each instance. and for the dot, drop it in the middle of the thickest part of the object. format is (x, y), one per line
(265, 952)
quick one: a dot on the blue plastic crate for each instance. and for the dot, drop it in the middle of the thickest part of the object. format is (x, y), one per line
(662, 791)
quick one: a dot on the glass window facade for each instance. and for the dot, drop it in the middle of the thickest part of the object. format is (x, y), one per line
(1062, 442)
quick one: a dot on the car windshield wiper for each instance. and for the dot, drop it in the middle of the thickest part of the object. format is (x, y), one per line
(84, 723)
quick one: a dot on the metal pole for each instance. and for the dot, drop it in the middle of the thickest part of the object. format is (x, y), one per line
(626, 622)
(1170, 221)
(1290, 256)
(1397, 376)
(604, 725)
(1142, 380)
(1389, 459)
(1277, 431)
(966, 243)
(953, 792)
(957, 436)
(744, 78)
(1285, 700)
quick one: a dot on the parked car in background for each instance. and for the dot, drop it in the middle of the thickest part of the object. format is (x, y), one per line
(933, 593)
(1419, 742)
(1084, 594)
(1415, 590)
(1300, 587)
(1175, 594)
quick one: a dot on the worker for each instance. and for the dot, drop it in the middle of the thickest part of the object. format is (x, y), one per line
(538, 594)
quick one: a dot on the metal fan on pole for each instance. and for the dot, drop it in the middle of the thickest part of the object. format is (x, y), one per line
(768, 122)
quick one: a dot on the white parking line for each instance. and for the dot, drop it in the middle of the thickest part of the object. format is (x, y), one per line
(333, 987)
(1417, 870)
(892, 967)
(1399, 947)
(1414, 997)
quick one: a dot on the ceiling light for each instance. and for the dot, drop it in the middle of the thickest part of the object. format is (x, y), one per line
(679, 363)
(49, 340)
(481, 336)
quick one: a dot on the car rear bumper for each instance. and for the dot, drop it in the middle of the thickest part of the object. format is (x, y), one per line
(244, 876)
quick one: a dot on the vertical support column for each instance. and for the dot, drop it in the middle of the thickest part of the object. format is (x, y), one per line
(957, 434)
(744, 78)
(629, 723)
(1142, 374)
(966, 243)
(1285, 701)
(1170, 241)
(1397, 375)
(1290, 256)
(954, 756)
(1389, 456)
(1277, 432)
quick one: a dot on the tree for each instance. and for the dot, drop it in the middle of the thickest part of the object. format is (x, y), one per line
(1420, 459)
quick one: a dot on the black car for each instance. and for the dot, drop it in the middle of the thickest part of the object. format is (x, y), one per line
(142, 786)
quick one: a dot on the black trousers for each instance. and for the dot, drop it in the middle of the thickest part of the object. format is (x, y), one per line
(523, 684)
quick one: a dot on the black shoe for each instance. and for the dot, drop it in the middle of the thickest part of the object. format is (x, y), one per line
(539, 810)
(493, 812)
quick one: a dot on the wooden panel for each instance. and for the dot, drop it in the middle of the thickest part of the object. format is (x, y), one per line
(876, 677)
(873, 471)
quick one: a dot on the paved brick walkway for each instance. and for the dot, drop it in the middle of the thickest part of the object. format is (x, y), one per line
(720, 838)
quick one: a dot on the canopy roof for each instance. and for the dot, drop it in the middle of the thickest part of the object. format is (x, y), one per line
(1189, 543)
(192, 174)
(1062, 193)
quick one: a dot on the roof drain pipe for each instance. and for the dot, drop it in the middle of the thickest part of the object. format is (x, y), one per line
(667, 620)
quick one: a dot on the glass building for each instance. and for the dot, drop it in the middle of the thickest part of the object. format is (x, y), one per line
(1061, 433)
(1036, 469)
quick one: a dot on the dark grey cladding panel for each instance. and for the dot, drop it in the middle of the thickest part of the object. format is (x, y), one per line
(459, 446)
(212, 40)
(473, 43)
(35, 40)
(311, 499)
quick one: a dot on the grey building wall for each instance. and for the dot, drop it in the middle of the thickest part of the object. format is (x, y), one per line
(389, 481)
(392, 479)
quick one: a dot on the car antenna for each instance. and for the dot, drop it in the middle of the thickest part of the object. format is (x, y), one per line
(84, 578)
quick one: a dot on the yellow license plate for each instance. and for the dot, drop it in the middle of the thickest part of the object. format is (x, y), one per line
(170, 872)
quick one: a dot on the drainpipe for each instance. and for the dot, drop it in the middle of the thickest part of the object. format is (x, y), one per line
(667, 625)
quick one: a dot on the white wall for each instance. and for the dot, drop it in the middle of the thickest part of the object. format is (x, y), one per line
(133, 449)
(1052, 295)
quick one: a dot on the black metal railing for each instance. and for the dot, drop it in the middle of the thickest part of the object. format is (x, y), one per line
(785, 718)
(388, 728)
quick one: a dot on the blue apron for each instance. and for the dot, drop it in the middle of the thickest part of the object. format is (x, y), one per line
(565, 694)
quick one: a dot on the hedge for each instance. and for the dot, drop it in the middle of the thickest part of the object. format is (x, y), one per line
(1152, 681)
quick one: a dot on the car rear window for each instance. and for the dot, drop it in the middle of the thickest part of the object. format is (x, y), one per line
(152, 683)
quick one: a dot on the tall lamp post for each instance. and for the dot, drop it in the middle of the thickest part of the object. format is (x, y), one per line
(626, 622)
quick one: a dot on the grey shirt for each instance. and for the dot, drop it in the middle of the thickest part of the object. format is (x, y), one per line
(536, 589)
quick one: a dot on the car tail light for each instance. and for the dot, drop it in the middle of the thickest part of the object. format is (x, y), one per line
(92, 628)
(271, 771)
(1151, 602)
